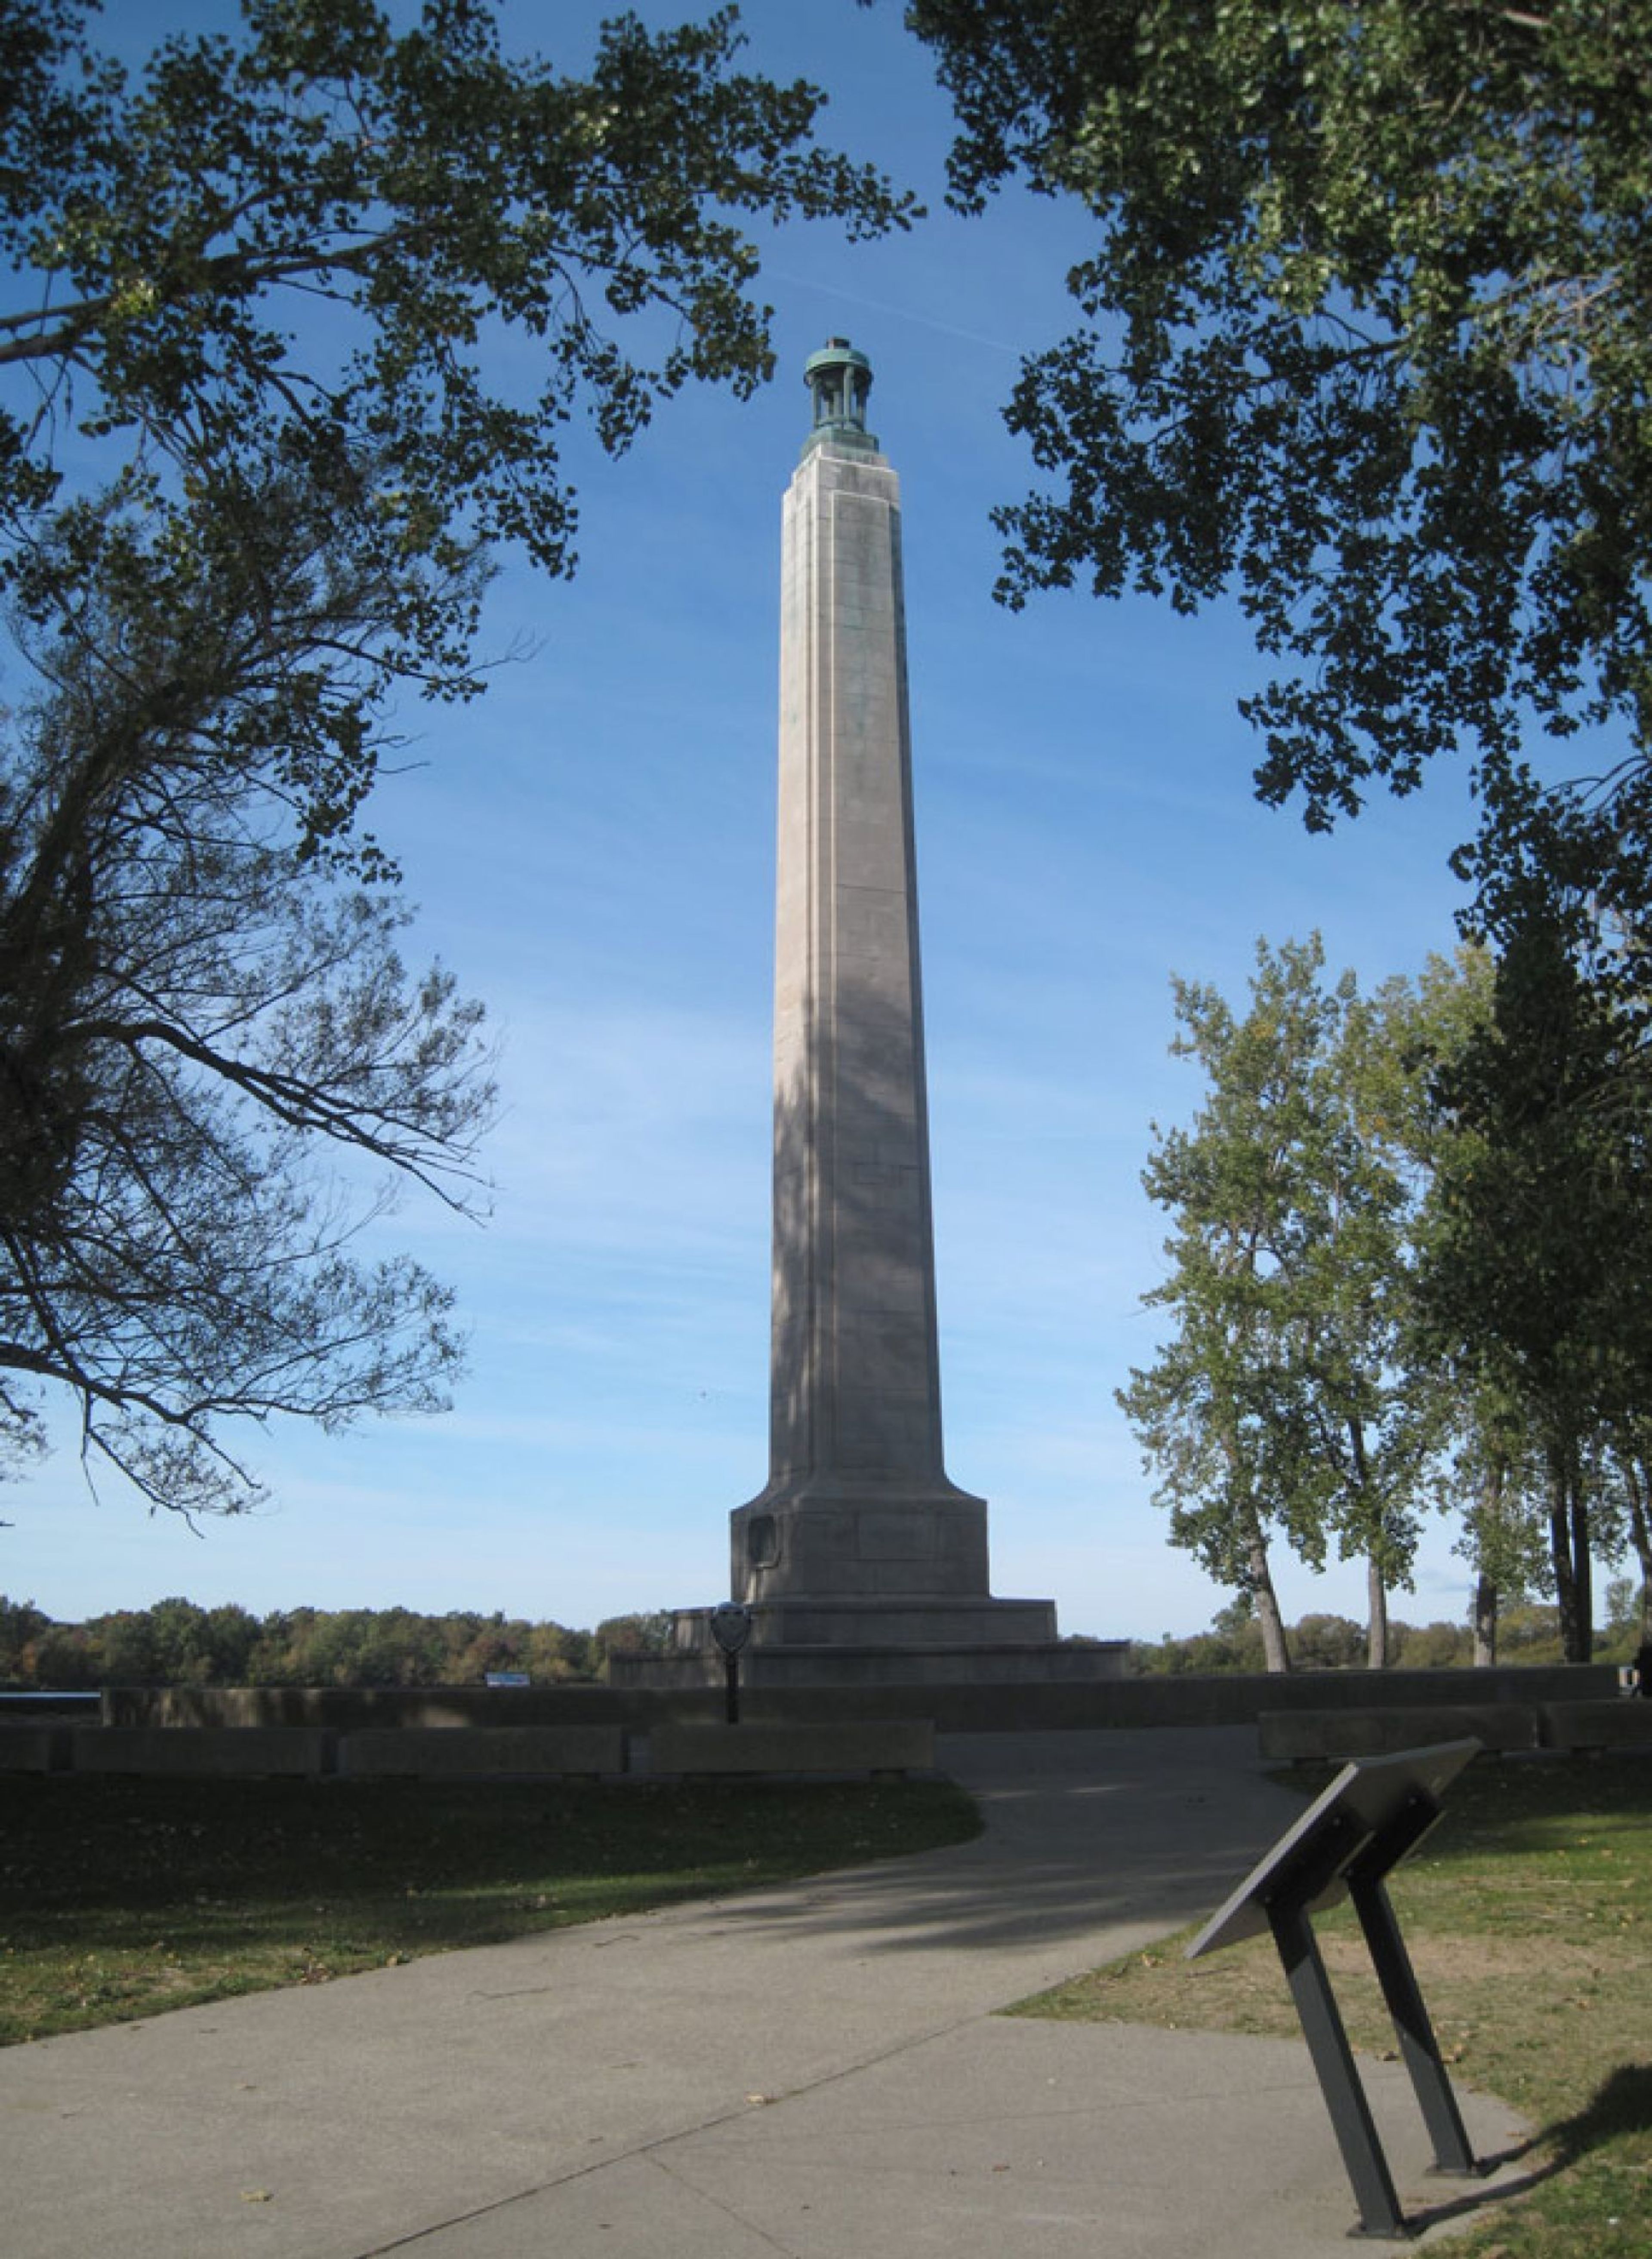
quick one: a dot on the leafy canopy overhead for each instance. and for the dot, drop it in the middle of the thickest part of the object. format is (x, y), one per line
(390, 266)
(1367, 339)
(294, 324)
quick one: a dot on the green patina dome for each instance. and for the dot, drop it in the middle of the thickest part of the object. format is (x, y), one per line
(839, 380)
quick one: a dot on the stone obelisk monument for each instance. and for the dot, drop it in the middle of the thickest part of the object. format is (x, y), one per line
(859, 1540)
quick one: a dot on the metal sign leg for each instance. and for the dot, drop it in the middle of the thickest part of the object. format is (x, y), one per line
(1419, 2049)
(1379, 2212)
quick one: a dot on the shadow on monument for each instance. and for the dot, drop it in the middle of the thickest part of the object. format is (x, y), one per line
(854, 1352)
(859, 1540)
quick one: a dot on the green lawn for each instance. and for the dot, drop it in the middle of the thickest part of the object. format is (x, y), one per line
(122, 1897)
(1528, 1914)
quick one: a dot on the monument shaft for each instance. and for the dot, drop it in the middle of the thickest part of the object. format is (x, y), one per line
(860, 1564)
(856, 1365)
(859, 1505)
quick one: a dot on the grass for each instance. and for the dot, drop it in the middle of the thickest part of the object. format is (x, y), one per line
(119, 1898)
(1528, 1917)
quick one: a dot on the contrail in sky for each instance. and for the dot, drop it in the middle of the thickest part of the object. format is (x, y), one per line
(901, 313)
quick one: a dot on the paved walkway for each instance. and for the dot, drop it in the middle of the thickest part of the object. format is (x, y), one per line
(813, 2071)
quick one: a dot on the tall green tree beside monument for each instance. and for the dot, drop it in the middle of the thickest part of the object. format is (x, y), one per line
(1495, 1480)
(1375, 1405)
(1222, 1413)
(1486, 1469)
(1295, 1358)
(1365, 339)
(297, 318)
(1631, 1446)
(1537, 1269)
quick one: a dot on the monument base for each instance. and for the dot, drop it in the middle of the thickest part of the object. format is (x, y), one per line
(1043, 1665)
(866, 1643)
(878, 1541)
(918, 1623)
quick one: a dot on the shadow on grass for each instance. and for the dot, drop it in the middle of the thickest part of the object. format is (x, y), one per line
(1622, 2105)
(121, 1849)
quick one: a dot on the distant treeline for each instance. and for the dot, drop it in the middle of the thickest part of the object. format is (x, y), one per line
(175, 1644)
(1527, 1632)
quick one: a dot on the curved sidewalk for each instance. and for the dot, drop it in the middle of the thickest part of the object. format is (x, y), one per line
(813, 2071)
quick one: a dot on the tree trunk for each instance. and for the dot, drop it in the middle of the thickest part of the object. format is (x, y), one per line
(1641, 1535)
(1582, 1571)
(1488, 1532)
(1560, 1555)
(1569, 1551)
(1377, 1628)
(1275, 1652)
(1484, 1622)
(1377, 1612)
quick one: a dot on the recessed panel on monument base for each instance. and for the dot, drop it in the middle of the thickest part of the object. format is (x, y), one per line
(841, 1547)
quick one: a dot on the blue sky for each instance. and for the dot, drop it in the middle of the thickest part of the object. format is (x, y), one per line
(592, 849)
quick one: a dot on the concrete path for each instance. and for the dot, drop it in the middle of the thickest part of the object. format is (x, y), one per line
(813, 2071)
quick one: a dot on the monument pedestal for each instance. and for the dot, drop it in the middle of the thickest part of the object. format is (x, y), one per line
(921, 1641)
(894, 1655)
(834, 1540)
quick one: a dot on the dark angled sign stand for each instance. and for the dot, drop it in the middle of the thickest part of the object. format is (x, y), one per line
(1375, 1812)
(731, 1627)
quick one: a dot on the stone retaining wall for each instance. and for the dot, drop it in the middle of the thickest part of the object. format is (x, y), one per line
(586, 1752)
(1218, 1700)
(1308, 1736)
(886, 1745)
(543, 1732)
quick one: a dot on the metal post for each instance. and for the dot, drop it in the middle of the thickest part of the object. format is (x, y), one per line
(1356, 2130)
(731, 1627)
(1419, 2049)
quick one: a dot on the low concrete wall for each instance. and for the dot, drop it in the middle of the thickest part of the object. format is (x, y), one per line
(1217, 1700)
(1302, 1737)
(415, 1733)
(1617, 1725)
(208, 1749)
(439, 1753)
(351, 1709)
(33, 1748)
(864, 1745)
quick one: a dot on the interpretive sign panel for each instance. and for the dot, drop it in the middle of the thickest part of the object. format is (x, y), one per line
(1376, 1811)
(1367, 1797)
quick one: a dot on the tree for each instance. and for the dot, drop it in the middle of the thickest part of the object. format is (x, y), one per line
(1537, 1271)
(1374, 1401)
(266, 412)
(1497, 1480)
(1487, 1469)
(21, 1625)
(1296, 1356)
(646, 1632)
(1367, 339)
(1221, 1413)
(1631, 1446)
(126, 1649)
(1322, 1641)
(65, 1657)
(1436, 1646)
(193, 1013)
